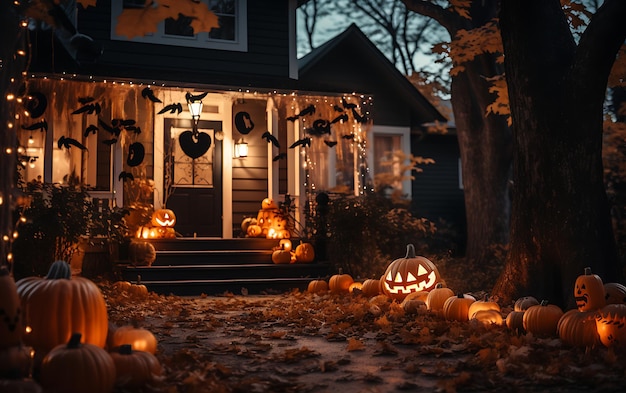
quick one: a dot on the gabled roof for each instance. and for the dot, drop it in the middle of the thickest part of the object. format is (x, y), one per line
(364, 57)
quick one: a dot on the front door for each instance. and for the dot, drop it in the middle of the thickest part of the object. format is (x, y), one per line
(193, 177)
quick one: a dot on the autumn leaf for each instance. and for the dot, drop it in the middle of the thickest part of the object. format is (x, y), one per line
(355, 345)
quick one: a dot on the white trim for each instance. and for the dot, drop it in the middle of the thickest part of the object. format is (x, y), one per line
(273, 170)
(405, 143)
(199, 40)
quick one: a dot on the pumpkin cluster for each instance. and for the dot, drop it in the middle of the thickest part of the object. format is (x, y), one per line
(270, 223)
(284, 253)
(161, 226)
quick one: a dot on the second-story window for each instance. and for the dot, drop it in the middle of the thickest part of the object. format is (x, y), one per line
(230, 35)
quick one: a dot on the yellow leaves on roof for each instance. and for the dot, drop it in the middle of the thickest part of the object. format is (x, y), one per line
(140, 22)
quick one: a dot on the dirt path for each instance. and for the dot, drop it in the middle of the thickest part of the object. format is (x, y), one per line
(308, 343)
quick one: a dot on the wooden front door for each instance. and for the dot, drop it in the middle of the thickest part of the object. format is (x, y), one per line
(193, 177)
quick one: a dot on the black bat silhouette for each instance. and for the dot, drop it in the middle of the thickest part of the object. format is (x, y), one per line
(172, 108)
(69, 142)
(330, 143)
(85, 100)
(347, 105)
(148, 93)
(280, 156)
(89, 108)
(270, 138)
(358, 117)
(40, 125)
(293, 118)
(91, 129)
(309, 110)
(337, 108)
(349, 136)
(122, 123)
(343, 116)
(301, 142)
(135, 129)
(126, 176)
(111, 130)
(197, 97)
(110, 142)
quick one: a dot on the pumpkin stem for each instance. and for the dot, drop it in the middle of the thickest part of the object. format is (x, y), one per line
(59, 269)
(544, 302)
(588, 271)
(138, 279)
(74, 341)
(410, 251)
(126, 349)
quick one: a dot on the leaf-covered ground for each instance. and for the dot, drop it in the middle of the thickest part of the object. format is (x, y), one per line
(301, 342)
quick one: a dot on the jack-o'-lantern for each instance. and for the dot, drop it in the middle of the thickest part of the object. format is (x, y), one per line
(246, 222)
(589, 291)
(409, 274)
(254, 230)
(164, 232)
(10, 309)
(611, 325)
(614, 293)
(163, 218)
(268, 203)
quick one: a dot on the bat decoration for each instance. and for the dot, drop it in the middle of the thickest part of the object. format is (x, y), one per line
(85, 100)
(89, 109)
(135, 129)
(149, 94)
(309, 110)
(91, 129)
(358, 117)
(342, 117)
(122, 123)
(110, 142)
(69, 142)
(347, 105)
(301, 142)
(270, 138)
(110, 129)
(126, 176)
(197, 97)
(292, 118)
(40, 125)
(172, 108)
(320, 127)
(280, 156)
(330, 143)
(337, 108)
(349, 136)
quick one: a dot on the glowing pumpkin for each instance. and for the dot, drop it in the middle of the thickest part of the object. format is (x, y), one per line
(355, 287)
(11, 328)
(163, 218)
(268, 203)
(481, 305)
(246, 222)
(488, 317)
(409, 274)
(140, 339)
(254, 230)
(589, 291)
(340, 283)
(305, 252)
(611, 325)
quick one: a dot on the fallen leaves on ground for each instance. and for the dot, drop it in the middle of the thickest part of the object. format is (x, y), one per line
(301, 342)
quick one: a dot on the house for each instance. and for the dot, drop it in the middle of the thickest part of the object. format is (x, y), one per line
(116, 114)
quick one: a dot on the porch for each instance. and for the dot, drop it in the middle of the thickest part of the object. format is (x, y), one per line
(194, 266)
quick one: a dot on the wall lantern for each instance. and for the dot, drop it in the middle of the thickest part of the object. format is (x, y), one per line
(195, 108)
(241, 149)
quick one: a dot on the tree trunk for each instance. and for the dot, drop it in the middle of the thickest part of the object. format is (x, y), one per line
(11, 68)
(560, 213)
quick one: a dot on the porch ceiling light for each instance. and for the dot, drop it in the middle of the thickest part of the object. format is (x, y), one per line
(241, 149)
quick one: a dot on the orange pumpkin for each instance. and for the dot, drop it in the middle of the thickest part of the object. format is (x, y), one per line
(409, 274)
(76, 368)
(488, 317)
(281, 256)
(371, 287)
(141, 253)
(285, 244)
(254, 231)
(481, 305)
(437, 297)
(268, 203)
(140, 339)
(614, 293)
(578, 328)
(163, 218)
(317, 286)
(589, 291)
(11, 328)
(457, 307)
(611, 325)
(19, 386)
(542, 320)
(356, 287)
(515, 321)
(15, 362)
(56, 308)
(305, 252)
(135, 369)
(138, 289)
(340, 283)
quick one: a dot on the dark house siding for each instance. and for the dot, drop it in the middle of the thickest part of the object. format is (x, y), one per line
(265, 64)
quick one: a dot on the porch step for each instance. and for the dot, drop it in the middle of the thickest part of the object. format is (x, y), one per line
(195, 266)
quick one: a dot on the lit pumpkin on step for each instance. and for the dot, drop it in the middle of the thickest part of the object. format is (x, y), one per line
(135, 369)
(614, 293)
(611, 325)
(589, 291)
(542, 320)
(53, 309)
(305, 253)
(254, 230)
(78, 368)
(11, 328)
(246, 222)
(140, 339)
(163, 218)
(281, 256)
(409, 274)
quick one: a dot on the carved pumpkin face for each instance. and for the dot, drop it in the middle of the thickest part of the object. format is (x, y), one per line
(268, 203)
(611, 325)
(409, 274)
(163, 218)
(589, 292)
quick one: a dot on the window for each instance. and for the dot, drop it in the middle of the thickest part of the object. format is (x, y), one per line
(231, 35)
